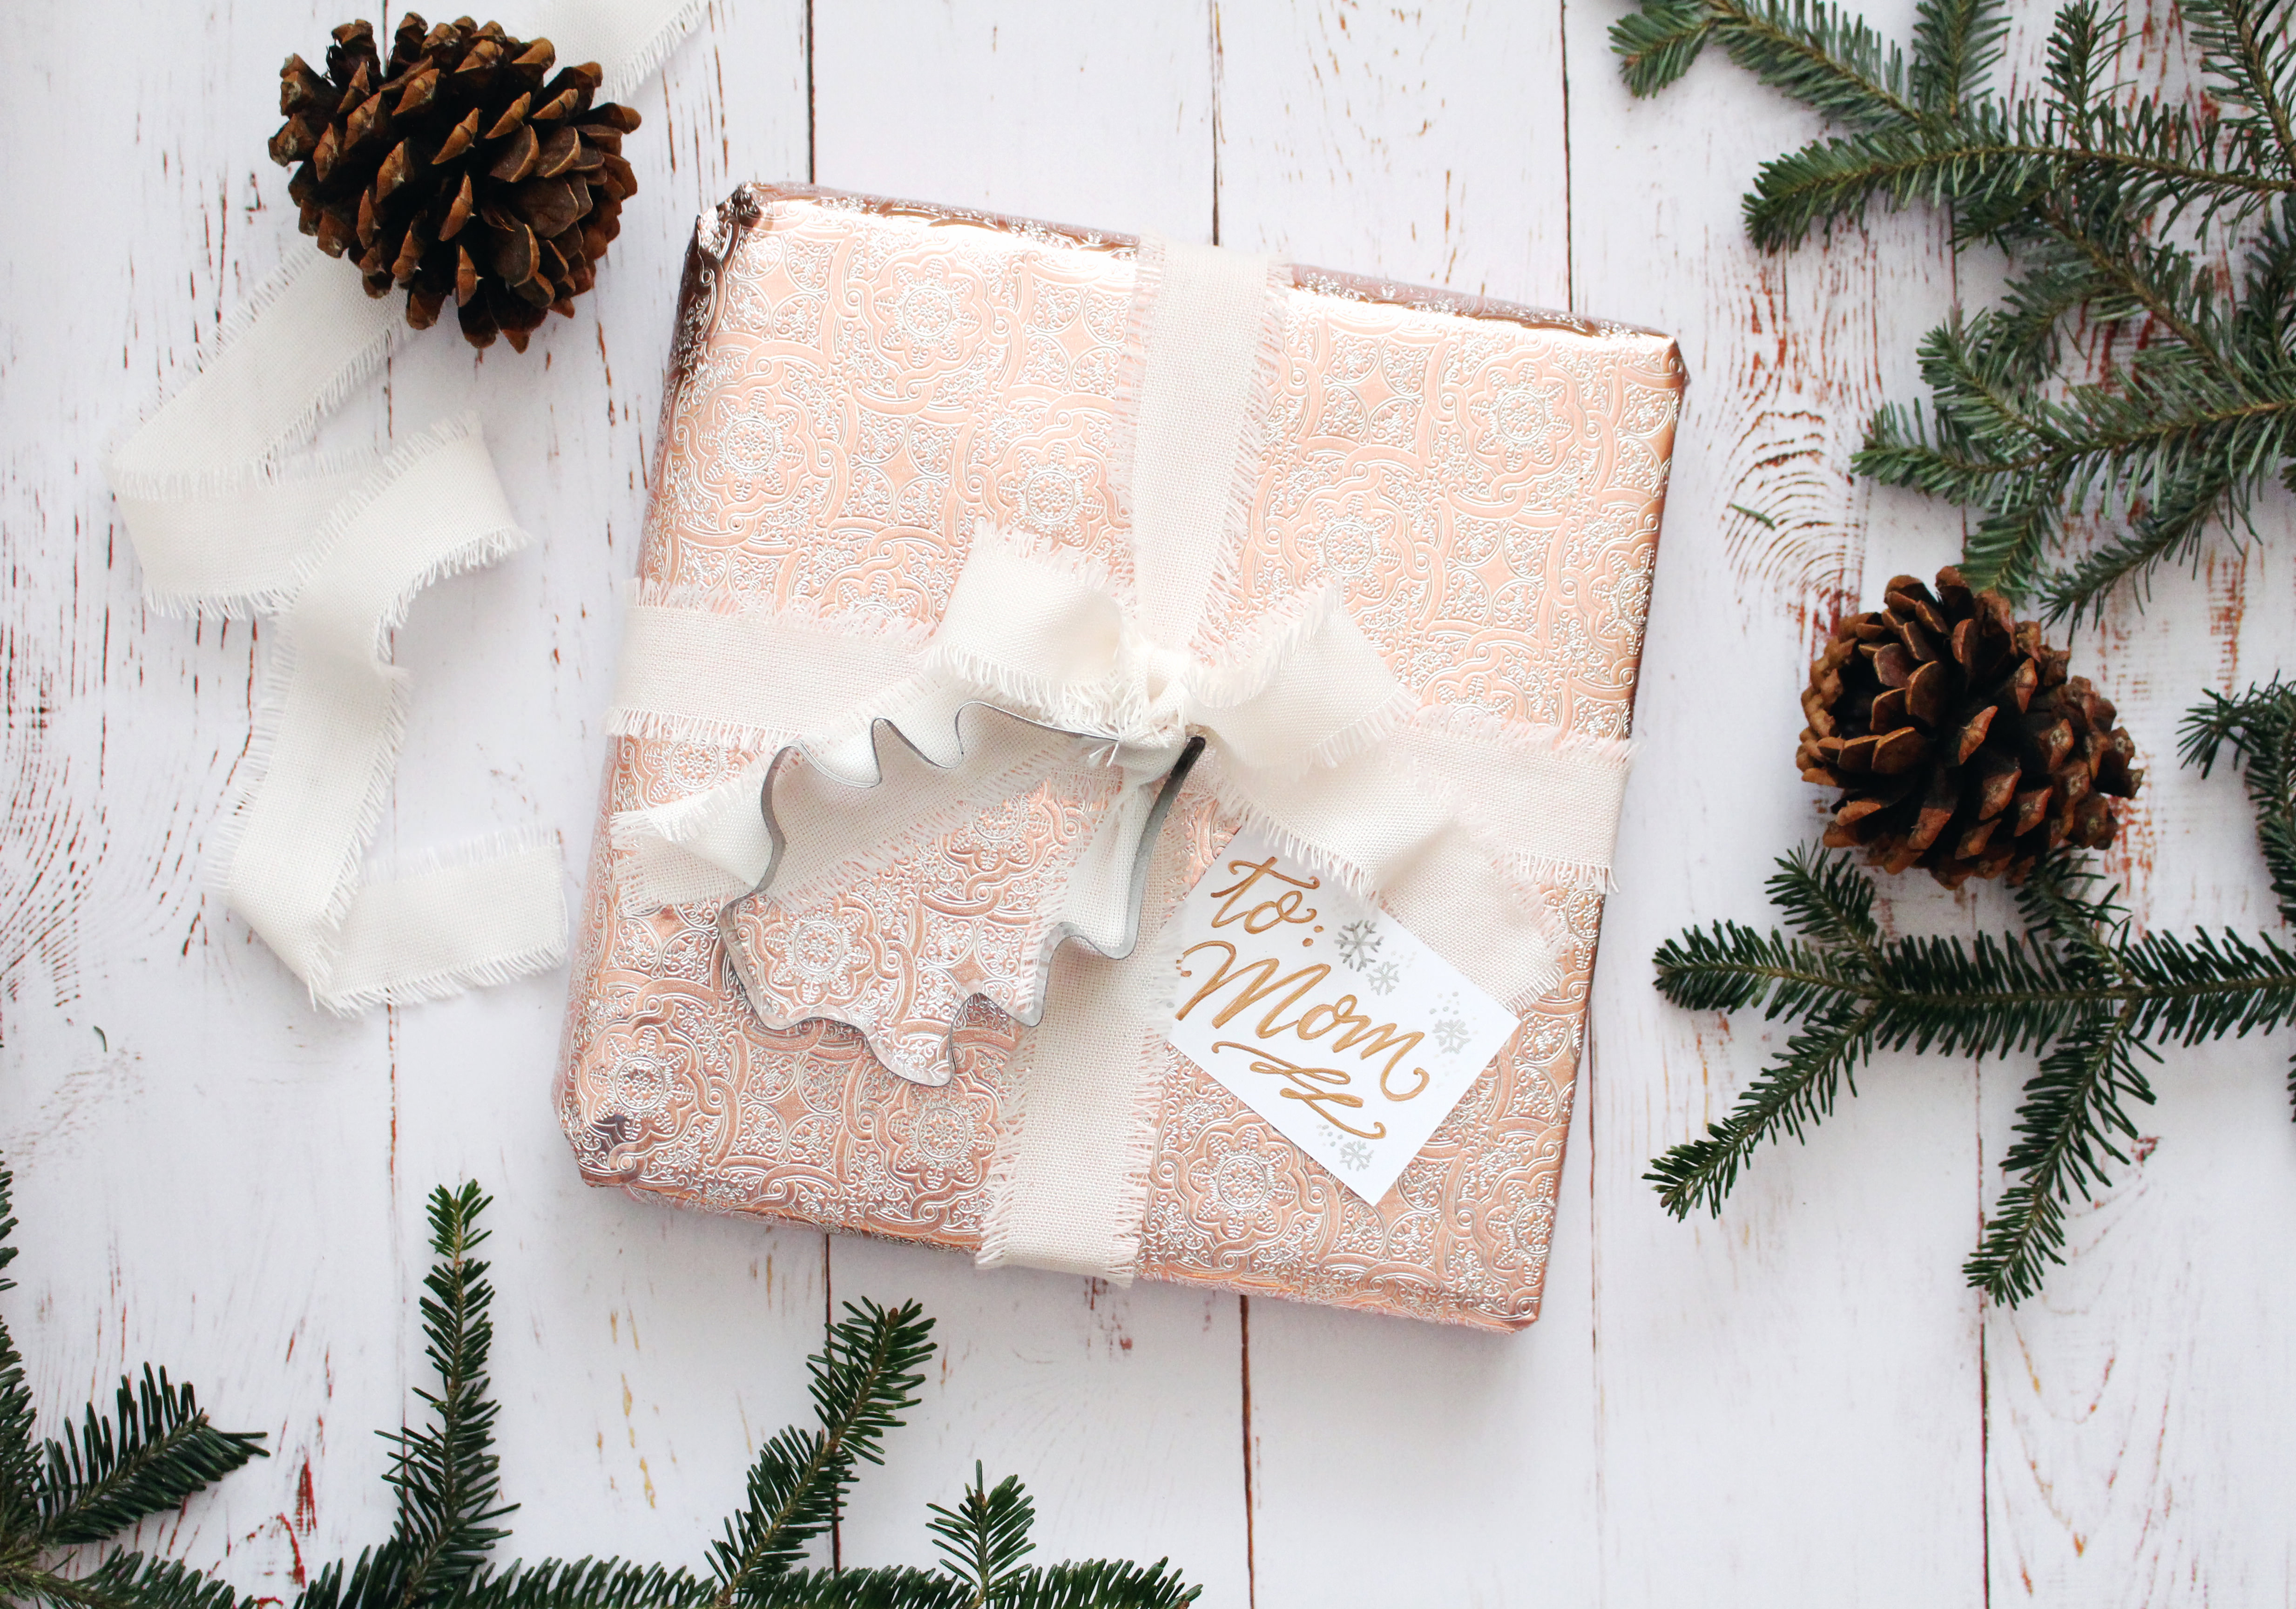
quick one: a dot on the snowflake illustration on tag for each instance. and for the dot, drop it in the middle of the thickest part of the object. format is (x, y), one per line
(1359, 942)
(1451, 1034)
(1381, 979)
(1355, 1156)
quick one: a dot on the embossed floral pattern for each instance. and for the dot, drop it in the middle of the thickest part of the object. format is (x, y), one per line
(1240, 1182)
(857, 382)
(970, 905)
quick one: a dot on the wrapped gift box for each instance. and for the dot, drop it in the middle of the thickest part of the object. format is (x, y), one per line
(856, 385)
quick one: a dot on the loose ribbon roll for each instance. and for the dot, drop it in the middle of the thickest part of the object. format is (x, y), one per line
(1449, 819)
(228, 520)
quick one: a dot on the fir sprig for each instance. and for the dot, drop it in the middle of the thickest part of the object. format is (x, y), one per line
(159, 1448)
(58, 1498)
(2259, 727)
(2082, 182)
(156, 1450)
(2094, 996)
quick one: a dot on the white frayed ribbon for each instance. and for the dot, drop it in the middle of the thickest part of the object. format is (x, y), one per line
(229, 518)
(1447, 818)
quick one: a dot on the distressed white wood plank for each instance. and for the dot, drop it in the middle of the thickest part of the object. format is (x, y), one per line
(1426, 144)
(1420, 142)
(257, 1168)
(1789, 1399)
(1122, 1410)
(1096, 113)
(203, 1161)
(645, 1355)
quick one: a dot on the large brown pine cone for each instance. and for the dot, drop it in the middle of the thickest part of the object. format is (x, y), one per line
(1957, 738)
(456, 170)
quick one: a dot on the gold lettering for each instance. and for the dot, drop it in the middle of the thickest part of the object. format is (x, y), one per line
(1321, 1088)
(1258, 989)
(1342, 1010)
(1379, 1037)
(1286, 906)
(1420, 1072)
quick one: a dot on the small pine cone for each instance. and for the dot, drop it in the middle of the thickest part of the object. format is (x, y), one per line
(455, 169)
(1957, 739)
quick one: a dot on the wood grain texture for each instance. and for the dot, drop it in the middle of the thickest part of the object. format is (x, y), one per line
(1797, 1403)
(1422, 143)
(1094, 113)
(1790, 1395)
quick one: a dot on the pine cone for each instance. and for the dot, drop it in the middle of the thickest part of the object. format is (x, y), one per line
(1957, 739)
(456, 170)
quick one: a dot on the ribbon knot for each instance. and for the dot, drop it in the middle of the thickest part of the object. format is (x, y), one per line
(1055, 646)
(1169, 705)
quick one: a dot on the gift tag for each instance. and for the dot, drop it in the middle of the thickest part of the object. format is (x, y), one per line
(1324, 1013)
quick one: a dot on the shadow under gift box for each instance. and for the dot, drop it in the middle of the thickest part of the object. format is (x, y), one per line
(855, 383)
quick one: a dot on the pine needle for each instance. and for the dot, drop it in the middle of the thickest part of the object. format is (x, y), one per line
(157, 1449)
(2083, 183)
(2078, 986)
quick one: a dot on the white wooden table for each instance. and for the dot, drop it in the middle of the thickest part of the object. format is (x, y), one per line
(1800, 1404)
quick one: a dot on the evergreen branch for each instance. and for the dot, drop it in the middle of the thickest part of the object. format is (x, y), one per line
(1811, 50)
(1956, 44)
(985, 1536)
(1657, 43)
(2079, 58)
(1824, 899)
(132, 1581)
(2083, 184)
(2120, 436)
(1793, 1093)
(2056, 898)
(1101, 1584)
(2126, 277)
(2005, 551)
(2234, 52)
(376, 1581)
(864, 1378)
(2078, 986)
(158, 1449)
(1729, 967)
(586, 1584)
(887, 1587)
(2261, 728)
(1996, 179)
(2184, 444)
(2073, 1107)
(20, 1453)
(2167, 532)
(449, 1477)
(2206, 987)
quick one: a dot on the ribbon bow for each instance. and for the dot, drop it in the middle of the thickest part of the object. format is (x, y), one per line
(1449, 817)
(1049, 643)
(1452, 820)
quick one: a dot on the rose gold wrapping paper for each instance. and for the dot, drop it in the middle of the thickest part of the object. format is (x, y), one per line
(854, 382)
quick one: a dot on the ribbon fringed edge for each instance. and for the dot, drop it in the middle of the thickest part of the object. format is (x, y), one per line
(1150, 261)
(503, 852)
